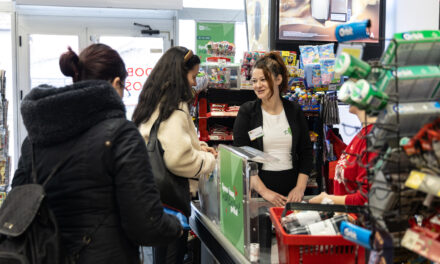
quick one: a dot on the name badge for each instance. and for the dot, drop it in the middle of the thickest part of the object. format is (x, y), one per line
(256, 133)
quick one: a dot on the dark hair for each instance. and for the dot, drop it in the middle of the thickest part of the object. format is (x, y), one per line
(96, 62)
(273, 65)
(167, 84)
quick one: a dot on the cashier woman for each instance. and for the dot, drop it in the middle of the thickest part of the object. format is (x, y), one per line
(277, 127)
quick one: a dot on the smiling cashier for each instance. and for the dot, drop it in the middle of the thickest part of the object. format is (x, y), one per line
(277, 127)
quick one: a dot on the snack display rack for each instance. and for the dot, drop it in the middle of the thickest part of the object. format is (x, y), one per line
(4, 139)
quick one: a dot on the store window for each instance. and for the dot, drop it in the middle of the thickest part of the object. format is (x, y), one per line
(6, 64)
(214, 4)
(45, 53)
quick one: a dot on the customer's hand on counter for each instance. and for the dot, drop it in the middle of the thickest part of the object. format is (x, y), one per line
(274, 198)
(318, 198)
(209, 149)
(295, 195)
(328, 199)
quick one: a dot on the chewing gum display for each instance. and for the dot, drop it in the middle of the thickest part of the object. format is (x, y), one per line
(416, 83)
(412, 116)
(345, 92)
(369, 97)
(413, 48)
(352, 67)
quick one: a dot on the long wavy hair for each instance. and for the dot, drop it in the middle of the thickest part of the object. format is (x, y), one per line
(272, 65)
(166, 85)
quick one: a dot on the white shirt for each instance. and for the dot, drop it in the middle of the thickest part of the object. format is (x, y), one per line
(277, 141)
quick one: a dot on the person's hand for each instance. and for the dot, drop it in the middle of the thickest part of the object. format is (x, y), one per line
(274, 198)
(318, 199)
(209, 149)
(296, 195)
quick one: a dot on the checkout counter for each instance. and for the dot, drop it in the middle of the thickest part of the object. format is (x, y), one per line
(232, 223)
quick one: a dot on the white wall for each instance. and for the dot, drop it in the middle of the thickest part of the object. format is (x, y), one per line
(406, 15)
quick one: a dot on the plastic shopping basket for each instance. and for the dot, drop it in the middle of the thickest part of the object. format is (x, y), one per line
(309, 249)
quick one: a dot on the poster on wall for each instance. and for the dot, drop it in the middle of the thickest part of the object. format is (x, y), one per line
(257, 22)
(231, 198)
(316, 20)
(215, 32)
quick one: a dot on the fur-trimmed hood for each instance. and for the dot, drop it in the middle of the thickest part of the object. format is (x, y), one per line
(53, 115)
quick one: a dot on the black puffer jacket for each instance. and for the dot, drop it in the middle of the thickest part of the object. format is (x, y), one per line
(107, 177)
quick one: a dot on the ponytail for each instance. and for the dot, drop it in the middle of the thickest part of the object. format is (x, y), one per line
(69, 64)
(278, 67)
(96, 62)
(273, 65)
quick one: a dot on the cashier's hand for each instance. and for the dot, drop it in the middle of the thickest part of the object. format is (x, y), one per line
(295, 195)
(274, 198)
(209, 149)
(318, 199)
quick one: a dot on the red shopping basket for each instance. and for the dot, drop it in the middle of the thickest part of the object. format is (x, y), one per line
(309, 249)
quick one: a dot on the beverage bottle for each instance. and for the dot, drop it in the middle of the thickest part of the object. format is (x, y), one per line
(303, 218)
(323, 228)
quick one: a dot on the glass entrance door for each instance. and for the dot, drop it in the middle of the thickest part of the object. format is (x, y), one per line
(41, 44)
(140, 55)
(44, 55)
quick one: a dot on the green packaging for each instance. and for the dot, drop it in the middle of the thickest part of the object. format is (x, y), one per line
(415, 83)
(413, 48)
(369, 97)
(345, 93)
(352, 67)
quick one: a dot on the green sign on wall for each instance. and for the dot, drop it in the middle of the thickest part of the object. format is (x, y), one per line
(231, 198)
(212, 32)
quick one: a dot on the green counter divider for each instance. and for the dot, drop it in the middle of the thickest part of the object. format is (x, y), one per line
(231, 198)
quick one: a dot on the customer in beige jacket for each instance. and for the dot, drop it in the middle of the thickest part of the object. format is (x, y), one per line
(166, 95)
(184, 154)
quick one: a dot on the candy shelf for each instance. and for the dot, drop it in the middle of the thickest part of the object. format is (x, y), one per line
(424, 182)
(219, 114)
(423, 242)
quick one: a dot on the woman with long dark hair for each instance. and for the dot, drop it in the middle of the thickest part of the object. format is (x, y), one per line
(104, 196)
(166, 96)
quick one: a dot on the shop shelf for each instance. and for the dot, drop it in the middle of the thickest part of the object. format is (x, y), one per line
(221, 114)
(424, 182)
(423, 242)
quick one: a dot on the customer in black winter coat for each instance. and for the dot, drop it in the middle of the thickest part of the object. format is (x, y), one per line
(105, 191)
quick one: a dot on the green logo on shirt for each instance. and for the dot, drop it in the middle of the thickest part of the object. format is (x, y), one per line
(288, 131)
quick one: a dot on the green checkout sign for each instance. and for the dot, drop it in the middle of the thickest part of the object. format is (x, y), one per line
(231, 198)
